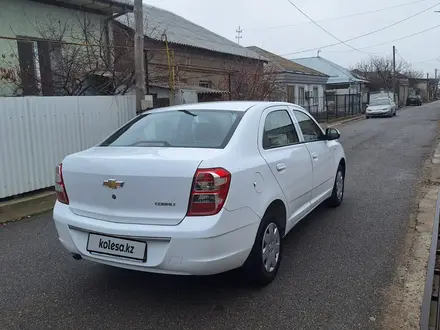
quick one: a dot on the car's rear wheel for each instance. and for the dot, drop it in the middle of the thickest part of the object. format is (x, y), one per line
(264, 260)
(338, 188)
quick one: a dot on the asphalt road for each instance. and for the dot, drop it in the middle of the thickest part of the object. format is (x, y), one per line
(336, 266)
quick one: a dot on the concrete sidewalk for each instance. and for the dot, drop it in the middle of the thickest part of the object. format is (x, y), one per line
(33, 204)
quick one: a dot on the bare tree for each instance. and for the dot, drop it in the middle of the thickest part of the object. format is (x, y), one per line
(73, 57)
(379, 71)
(414, 74)
(251, 81)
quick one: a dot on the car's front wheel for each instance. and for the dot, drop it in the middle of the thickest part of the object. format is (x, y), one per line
(338, 188)
(264, 260)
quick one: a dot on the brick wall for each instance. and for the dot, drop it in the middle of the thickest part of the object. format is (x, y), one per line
(192, 65)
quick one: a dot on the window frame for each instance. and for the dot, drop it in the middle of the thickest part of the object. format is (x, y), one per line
(315, 99)
(205, 83)
(265, 114)
(292, 110)
(301, 96)
(293, 94)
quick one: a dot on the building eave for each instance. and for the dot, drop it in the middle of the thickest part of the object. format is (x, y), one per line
(99, 7)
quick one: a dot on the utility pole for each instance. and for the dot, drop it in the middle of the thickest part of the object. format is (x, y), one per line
(394, 75)
(139, 54)
(427, 86)
(238, 37)
(435, 85)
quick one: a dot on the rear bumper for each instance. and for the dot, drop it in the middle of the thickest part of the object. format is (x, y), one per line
(378, 114)
(197, 246)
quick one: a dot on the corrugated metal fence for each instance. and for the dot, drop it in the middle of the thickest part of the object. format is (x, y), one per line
(36, 133)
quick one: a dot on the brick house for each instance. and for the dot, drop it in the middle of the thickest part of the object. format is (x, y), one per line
(197, 59)
(298, 84)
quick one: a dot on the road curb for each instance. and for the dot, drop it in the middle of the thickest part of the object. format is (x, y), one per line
(429, 295)
(356, 118)
(26, 206)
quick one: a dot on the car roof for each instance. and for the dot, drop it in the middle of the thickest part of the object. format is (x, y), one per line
(221, 105)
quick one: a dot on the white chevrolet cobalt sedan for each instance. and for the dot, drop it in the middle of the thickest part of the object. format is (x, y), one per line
(199, 189)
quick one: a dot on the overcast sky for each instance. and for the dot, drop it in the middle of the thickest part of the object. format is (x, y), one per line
(278, 27)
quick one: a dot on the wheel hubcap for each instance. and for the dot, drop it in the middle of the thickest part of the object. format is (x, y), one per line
(339, 185)
(270, 248)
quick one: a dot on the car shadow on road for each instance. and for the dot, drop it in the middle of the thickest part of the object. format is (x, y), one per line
(157, 286)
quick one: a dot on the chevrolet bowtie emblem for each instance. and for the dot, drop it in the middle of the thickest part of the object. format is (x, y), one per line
(113, 184)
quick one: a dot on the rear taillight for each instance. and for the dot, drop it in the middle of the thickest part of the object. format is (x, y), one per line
(60, 188)
(209, 191)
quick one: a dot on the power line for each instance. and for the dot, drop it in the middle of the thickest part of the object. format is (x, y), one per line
(343, 17)
(391, 41)
(323, 29)
(363, 35)
(397, 51)
(70, 43)
(401, 38)
(428, 60)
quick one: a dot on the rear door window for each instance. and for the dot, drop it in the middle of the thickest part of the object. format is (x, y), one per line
(311, 132)
(279, 130)
(178, 129)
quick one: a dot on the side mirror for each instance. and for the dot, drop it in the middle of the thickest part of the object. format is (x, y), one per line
(332, 134)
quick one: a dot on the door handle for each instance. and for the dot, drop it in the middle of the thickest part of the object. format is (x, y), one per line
(315, 156)
(281, 167)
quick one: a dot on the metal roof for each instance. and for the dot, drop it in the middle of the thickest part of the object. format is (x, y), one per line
(183, 32)
(285, 64)
(337, 74)
(103, 6)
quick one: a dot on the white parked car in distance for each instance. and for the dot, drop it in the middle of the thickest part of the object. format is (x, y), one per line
(381, 107)
(199, 189)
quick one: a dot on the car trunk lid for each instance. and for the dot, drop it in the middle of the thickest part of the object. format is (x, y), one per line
(135, 185)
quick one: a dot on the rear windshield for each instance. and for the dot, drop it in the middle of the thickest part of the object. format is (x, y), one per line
(178, 129)
(380, 102)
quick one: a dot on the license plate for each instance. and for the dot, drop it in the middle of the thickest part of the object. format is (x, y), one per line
(117, 247)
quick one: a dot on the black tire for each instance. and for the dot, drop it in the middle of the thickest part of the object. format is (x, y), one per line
(254, 268)
(367, 117)
(335, 199)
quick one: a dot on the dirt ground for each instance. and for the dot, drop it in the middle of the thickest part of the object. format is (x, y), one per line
(404, 297)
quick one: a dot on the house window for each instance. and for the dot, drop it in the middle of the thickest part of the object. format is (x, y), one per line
(36, 60)
(291, 94)
(301, 96)
(205, 83)
(27, 68)
(315, 95)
